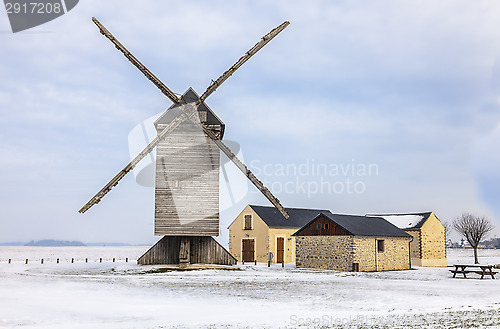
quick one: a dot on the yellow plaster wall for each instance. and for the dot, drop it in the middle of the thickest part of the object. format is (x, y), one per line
(259, 231)
(289, 243)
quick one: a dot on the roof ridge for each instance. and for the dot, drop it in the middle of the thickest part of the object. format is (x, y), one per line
(316, 209)
(401, 214)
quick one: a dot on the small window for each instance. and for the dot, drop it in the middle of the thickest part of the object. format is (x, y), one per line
(203, 116)
(319, 226)
(326, 226)
(380, 245)
(248, 222)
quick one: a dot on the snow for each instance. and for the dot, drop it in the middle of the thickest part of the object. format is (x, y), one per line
(402, 221)
(126, 295)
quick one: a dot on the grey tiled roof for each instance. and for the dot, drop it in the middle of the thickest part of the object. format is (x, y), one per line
(366, 226)
(298, 216)
(356, 225)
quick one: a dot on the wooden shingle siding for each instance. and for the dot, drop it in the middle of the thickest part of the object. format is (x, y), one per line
(322, 226)
(187, 183)
(202, 250)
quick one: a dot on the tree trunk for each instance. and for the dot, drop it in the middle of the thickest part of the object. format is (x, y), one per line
(476, 261)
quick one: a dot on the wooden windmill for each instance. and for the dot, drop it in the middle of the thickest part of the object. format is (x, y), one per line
(188, 145)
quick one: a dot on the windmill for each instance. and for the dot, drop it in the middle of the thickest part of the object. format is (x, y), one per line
(188, 145)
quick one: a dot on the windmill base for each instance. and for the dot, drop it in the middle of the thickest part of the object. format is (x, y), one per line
(185, 250)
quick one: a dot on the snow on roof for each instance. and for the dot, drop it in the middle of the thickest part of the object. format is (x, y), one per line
(402, 221)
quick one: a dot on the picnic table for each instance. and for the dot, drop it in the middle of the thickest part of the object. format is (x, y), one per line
(473, 268)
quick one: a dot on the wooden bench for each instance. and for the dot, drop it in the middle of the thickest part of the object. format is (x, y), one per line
(475, 268)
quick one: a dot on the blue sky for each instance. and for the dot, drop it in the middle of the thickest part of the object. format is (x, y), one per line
(410, 87)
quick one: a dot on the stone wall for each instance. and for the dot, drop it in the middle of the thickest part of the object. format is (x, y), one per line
(415, 244)
(396, 254)
(433, 243)
(324, 252)
(340, 252)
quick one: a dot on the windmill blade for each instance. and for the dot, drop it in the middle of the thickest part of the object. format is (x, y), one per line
(258, 46)
(250, 175)
(115, 180)
(157, 82)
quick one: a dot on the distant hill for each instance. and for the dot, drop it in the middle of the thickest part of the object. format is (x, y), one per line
(55, 243)
(12, 244)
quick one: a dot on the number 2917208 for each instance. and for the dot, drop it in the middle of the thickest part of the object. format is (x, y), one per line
(33, 8)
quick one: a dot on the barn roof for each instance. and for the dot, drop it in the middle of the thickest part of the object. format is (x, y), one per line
(361, 225)
(405, 221)
(298, 216)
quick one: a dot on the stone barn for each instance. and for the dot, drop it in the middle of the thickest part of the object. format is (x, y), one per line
(352, 243)
(428, 247)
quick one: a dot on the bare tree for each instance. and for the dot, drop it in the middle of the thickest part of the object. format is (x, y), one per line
(473, 228)
(447, 228)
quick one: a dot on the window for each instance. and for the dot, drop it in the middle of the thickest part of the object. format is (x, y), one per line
(247, 222)
(319, 226)
(326, 226)
(380, 245)
(203, 116)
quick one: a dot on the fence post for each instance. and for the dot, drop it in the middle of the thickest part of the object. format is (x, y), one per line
(126, 260)
(283, 264)
(26, 260)
(100, 260)
(255, 262)
(41, 262)
(10, 260)
(268, 263)
(72, 260)
(86, 260)
(113, 259)
(58, 261)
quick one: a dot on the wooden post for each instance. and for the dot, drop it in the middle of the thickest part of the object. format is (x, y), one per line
(86, 260)
(255, 262)
(113, 259)
(41, 262)
(126, 260)
(268, 263)
(58, 261)
(10, 260)
(72, 260)
(100, 260)
(26, 260)
(283, 264)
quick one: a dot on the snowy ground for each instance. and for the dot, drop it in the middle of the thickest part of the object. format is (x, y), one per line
(125, 295)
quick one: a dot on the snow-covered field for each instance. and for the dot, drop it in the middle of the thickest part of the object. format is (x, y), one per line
(125, 295)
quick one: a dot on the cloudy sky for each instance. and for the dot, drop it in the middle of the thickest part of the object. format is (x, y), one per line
(358, 107)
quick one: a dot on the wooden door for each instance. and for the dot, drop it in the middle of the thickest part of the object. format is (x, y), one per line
(280, 250)
(248, 250)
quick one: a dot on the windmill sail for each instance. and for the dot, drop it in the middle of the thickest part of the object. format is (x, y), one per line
(190, 131)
